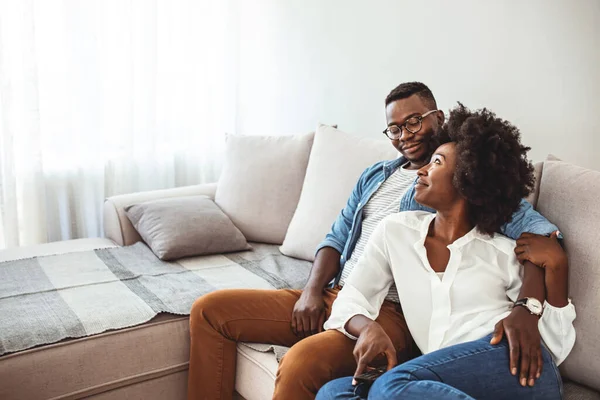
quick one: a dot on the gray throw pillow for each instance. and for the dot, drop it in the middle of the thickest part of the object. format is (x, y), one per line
(185, 226)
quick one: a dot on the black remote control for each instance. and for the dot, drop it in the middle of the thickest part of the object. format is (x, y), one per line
(370, 376)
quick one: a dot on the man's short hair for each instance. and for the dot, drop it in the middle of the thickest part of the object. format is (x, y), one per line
(407, 89)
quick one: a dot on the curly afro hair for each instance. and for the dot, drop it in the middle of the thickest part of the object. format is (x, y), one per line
(492, 169)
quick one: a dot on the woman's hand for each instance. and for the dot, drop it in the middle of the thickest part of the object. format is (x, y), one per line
(545, 252)
(524, 342)
(373, 342)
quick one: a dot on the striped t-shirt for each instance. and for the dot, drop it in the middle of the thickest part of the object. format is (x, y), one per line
(384, 202)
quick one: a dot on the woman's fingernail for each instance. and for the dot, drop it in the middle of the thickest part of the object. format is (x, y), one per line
(538, 375)
(353, 382)
(513, 371)
(531, 382)
(523, 381)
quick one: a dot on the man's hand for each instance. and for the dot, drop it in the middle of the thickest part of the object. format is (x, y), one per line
(309, 314)
(524, 341)
(373, 342)
(545, 252)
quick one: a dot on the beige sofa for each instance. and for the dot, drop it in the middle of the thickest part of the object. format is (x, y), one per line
(149, 361)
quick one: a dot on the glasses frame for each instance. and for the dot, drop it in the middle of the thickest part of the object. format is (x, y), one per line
(397, 136)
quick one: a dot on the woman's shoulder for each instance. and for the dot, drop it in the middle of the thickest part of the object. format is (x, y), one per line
(409, 219)
(502, 243)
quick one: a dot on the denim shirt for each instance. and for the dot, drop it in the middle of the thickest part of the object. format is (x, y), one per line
(346, 229)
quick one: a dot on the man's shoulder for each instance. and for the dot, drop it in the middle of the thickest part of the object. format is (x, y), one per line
(378, 169)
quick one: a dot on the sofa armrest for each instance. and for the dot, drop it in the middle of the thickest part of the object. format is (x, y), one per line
(117, 226)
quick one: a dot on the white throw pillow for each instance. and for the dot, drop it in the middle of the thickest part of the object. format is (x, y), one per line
(336, 162)
(261, 183)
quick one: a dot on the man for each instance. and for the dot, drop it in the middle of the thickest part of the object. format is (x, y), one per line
(295, 317)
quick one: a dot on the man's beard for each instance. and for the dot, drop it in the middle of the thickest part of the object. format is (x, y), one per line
(430, 144)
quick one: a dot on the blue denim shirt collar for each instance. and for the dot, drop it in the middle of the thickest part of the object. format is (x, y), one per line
(390, 166)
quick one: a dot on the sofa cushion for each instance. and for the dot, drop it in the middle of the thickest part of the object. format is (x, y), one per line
(336, 162)
(52, 248)
(77, 368)
(185, 226)
(255, 373)
(573, 391)
(569, 197)
(117, 226)
(261, 182)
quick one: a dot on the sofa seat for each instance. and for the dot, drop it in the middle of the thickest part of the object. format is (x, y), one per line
(48, 249)
(147, 361)
(255, 373)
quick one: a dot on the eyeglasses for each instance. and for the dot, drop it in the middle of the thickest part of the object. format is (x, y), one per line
(413, 125)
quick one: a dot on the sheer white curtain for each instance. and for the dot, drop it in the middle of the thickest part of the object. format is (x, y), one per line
(102, 97)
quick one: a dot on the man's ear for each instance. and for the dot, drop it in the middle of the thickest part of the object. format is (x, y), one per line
(440, 117)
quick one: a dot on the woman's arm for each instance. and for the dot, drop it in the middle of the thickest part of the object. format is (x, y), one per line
(556, 324)
(546, 253)
(366, 286)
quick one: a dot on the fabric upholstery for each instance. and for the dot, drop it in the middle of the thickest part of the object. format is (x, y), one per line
(117, 226)
(261, 183)
(95, 364)
(185, 226)
(569, 197)
(573, 391)
(255, 373)
(48, 249)
(172, 386)
(533, 196)
(336, 162)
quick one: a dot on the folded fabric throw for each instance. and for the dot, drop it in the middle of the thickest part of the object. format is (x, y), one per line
(47, 299)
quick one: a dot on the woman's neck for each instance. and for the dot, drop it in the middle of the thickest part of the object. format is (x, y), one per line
(450, 225)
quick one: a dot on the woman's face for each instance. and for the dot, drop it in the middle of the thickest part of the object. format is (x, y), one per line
(434, 187)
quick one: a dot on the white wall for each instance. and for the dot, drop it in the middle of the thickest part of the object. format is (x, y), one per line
(535, 63)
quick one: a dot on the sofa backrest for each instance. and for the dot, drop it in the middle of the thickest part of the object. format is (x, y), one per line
(569, 197)
(337, 160)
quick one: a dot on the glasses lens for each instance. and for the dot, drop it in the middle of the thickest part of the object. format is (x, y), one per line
(393, 132)
(413, 124)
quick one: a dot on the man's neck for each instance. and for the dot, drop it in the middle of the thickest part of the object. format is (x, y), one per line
(412, 165)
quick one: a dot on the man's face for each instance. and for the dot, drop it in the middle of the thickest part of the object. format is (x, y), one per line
(416, 147)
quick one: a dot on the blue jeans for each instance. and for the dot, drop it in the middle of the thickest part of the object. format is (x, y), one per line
(473, 370)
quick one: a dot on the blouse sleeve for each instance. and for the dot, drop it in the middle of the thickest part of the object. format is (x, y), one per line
(557, 330)
(555, 325)
(366, 286)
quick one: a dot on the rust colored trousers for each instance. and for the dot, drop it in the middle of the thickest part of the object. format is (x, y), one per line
(220, 319)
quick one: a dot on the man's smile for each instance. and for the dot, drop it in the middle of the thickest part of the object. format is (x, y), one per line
(411, 147)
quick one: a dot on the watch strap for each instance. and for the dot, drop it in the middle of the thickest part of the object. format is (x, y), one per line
(523, 302)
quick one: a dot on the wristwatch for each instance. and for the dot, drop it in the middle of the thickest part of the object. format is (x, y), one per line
(532, 304)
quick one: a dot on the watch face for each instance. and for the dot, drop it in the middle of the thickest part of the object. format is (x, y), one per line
(534, 305)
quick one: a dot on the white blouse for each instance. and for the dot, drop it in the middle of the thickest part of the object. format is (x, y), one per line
(482, 280)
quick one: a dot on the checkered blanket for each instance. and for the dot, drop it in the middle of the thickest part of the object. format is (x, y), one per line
(47, 299)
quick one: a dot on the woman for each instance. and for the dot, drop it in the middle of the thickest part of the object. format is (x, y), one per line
(455, 277)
